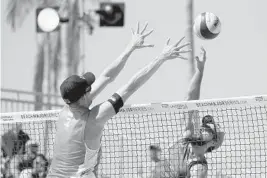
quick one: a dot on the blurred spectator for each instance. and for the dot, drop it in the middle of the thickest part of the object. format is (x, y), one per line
(13, 141)
(17, 152)
(31, 151)
(13, 147)
(3, 162)
(21, 161)
(39, 169)
(13, 168)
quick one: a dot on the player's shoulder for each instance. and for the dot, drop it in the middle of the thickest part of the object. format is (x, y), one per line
(63, 113)
(102, 110)
(64, 110)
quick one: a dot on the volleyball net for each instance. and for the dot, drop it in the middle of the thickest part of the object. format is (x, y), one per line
(128, 135)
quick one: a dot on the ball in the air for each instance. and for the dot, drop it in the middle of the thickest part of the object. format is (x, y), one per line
(48, 19)
(207, 26)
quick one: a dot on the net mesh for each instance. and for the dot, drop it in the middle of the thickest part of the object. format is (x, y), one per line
(128, 135)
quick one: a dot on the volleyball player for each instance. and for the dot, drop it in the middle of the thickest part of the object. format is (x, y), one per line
(79, 129)
(187, 156)
(208, 138)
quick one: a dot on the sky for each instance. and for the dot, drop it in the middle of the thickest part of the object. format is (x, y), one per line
(236, 63)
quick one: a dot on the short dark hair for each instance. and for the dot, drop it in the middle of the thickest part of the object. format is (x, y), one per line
(74, 87)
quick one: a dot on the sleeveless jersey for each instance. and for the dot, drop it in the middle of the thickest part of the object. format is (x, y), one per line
(72, 158)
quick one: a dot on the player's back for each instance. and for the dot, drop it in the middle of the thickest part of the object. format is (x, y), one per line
(69, 148)
(179, 154)
(173, 164)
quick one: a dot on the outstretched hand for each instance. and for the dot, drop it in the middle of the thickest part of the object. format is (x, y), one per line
(138, 37)
(174, 51)
(200, 62)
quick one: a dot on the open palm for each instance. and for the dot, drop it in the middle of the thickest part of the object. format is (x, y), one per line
(138, 37)
(175, 50)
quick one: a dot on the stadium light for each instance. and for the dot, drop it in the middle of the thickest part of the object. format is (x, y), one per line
(48, 19)
(111, 14)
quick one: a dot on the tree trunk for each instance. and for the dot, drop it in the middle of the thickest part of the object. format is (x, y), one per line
(190, 35)
(73, 38)
(39, 71)
(55, 60)
(64, 53)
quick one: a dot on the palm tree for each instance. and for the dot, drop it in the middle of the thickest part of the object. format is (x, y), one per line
(17, 12)
(63, 46)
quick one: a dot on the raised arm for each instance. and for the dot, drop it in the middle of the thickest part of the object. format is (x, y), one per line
(113, 70)
(111, 107)
(195, 83)
(169, 52)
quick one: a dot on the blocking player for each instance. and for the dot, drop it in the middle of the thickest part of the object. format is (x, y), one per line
(79, 129)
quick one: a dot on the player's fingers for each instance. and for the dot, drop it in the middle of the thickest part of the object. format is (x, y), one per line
(137, 28)
(197, 59)
(168, 41)
(132, 31)
(203, 55)
(182, 57)
(177, 54)
(147, 45)
(144, 28)
(176, 44)
(148, 33)
(203, 49)
(180, 47)
(185, 51)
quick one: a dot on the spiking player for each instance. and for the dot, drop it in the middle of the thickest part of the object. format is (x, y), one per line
(187, 156)
(79, 129)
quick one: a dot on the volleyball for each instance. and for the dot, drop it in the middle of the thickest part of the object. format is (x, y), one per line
(207, 26)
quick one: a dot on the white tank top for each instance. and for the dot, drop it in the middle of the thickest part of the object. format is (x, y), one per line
(72, 158)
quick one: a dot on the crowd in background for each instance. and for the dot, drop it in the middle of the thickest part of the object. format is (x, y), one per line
(20, 157)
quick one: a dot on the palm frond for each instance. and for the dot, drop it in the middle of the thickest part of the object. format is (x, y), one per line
(17, 11)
